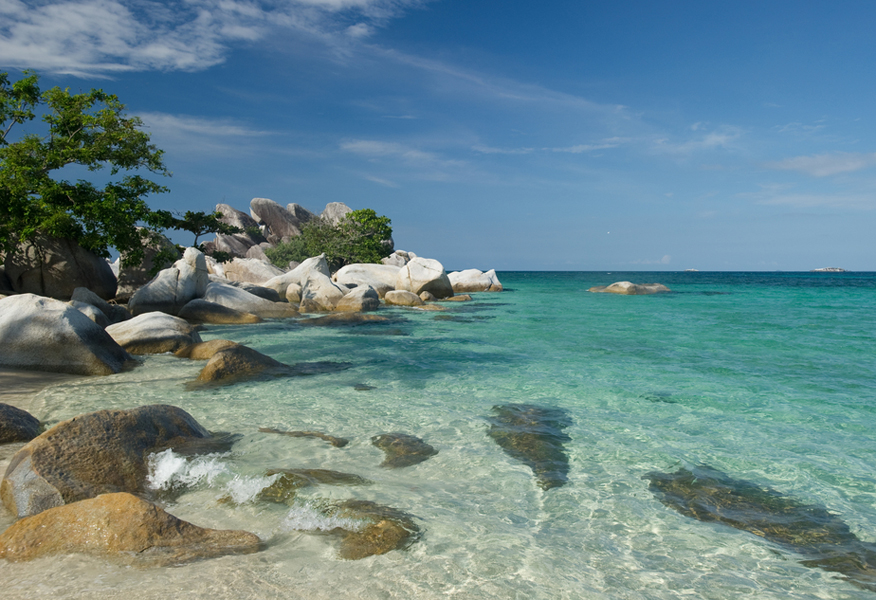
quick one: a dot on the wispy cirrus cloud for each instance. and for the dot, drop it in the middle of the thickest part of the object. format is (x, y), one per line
(725, 137)
(101, 37)
(824, 165)
(188, 134)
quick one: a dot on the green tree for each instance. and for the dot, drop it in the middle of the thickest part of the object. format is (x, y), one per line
(362, 236)
(92, 131)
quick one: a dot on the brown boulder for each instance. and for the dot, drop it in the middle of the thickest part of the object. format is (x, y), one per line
(204, 350)
(96, 453)
(123, 527)
(239, 362)
(17, 425)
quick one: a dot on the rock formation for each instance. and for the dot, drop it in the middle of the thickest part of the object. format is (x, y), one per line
(402, 450)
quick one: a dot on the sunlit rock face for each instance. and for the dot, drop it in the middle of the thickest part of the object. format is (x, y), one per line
(709, 495)
(535, 436)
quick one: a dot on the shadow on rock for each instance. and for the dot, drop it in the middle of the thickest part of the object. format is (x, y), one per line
(402, 450)
(534, 435)
(709, 495)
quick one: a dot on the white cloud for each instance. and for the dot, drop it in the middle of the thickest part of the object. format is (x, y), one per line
(185, 134)
(823, 165)
(581, 148)
(721, 138)
(490, 150)
(854, 201)
(99, 37)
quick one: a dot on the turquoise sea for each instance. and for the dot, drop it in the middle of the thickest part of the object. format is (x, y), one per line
(769, 378)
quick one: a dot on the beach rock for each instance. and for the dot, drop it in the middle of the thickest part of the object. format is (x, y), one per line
(279, 220)
(631, 289)
(92, 312)
(709, 495)
(173, 288)
(385, 529)
(250, 270)
(380, 277)
(427, 297)
(49, 335)
(123, 527)
(204, 350)
(201, 311)
(424, 275)
(299, 274)
(114, 313)
(334, 441)
(238, 363)
(319, 294)
(402, 450)
(473, 280)
(360, 299)
(250, 235)
(17, 425)
(399, 258)
(258, 253)
(534, 435)
(459, 298)
(300, 213)
(133, 277)
(255, 290)
(92, 454)
(243, 301)
(334, 212)
(214, 269)
(229, 244)
(293, 293)
(402, 298)
(153, 333)
(54, 267)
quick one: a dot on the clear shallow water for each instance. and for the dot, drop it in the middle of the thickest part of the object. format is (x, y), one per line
(770, 378)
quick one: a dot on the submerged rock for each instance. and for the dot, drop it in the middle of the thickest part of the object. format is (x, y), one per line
(631, 289)
(534, 435)
(123, 527)
(343, 319)
(284, 488)
(96, 453)
(709, 495)
(17, 425)
(387, 529)
(204, 350)
(334, 441)
(402, 450)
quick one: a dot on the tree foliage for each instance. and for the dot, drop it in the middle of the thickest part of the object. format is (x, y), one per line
(89, 130)
(362, 236)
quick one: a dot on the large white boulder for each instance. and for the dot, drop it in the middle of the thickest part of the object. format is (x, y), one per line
(319, 293)
(173, 288)
(299, 274)
(380, 277)
(280, 221)
(474, 280)
(424, 275)
(49, 335)
(402, 298)
(132, 278)
(399, 258)
(250, 270)
(114, 313)
(334, 212)
(154, 333)
(362, 298)
(243, 301)
(627, 288)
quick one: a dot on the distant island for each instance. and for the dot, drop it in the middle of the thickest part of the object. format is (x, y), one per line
(828, 270)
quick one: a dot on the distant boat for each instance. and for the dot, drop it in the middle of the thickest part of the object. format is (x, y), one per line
(828, 270)
(691, 270)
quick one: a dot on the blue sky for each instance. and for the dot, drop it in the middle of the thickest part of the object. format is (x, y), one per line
(511, 135)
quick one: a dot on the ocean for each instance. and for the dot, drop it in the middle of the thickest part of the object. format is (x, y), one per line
(766, 378)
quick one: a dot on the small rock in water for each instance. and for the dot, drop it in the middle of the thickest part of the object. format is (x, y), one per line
(388, 529)
(334, 441)
(283, 490)
(709, 495)
(363, 387)
(402, 450)
(534, 435)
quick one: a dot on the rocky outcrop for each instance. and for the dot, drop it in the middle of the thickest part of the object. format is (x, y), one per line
(154, 333)
(299, 274)
(17, 425)
(473, 280)
(250, 234)
(49, 335)
(380, 277)
(173, 288)
(402, 298)
(258, 253)
(121, 527)
(280, 221)
(334, 212)
(114, 313)
(631, 289)
(133, 277)
(360, 299)
(243, 301)
(534, 435)
(402, 450)
(300, 213)
(230, 244)
(319, 294)
(97, 453)
(204, 350)
(424, 275)
(54, 267)
(92, 312)
(399, 258)
(201, 311)
(250, 270)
